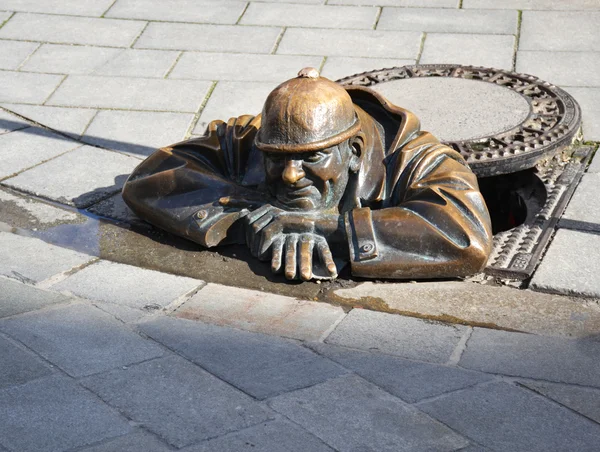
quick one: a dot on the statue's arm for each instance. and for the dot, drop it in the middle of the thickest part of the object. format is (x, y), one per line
(438, 227)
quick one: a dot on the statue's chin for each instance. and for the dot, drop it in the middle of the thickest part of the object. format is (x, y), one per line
(298, 204)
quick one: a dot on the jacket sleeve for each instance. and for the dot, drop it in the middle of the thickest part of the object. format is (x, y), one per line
(435, 225)
(178, 188)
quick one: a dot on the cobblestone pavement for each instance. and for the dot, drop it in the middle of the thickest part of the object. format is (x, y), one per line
(98, 355)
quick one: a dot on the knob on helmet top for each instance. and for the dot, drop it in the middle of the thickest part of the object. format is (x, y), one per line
(306, 113)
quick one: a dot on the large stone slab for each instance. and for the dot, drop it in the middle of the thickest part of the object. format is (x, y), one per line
(583, 211)
(68, 59)
(79, 178)
(533, 4)
(410, 3)
(137, 132)
(71, 7)
(477, 304)
(478, 50)
(130, 93)
(177, 400)
(80, 339)
(567, 68)
(70, 121)
(396, 335)
(478, 108)
(262, 312)
(338, 67)
(19, 365)
(140, 63)
(506, 418)
(351, 414)
(210, 38)
(570, 266)
(26, 87)
(409, 380)
(17, 298)
(273, 436)
(350, 43)
(589, 100)
(318, 16)
(262, 366)
(31, 146)
(10, 122)
(136, 441)
(30, 259)
(127, 285)
(55, 413)
(72, 30)
(526, 355)
(448, 20)
(13, 53)
(573, 31)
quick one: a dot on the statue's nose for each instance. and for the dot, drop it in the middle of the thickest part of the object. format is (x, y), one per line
(292, 172)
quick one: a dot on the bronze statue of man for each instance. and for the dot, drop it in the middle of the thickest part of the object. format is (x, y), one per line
(326, 173)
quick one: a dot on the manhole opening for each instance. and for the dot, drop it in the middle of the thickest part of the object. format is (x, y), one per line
(513, 198)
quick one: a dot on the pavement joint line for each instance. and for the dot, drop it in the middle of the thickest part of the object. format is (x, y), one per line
(139, 35)
(174, 305)
(377, 17)
(237, 22)
(517, 39)
(323, 61)
(278, 41)
(59, 277)
(89, 123)
(9, 18)
(172, 67)
(18, 69)
(332, 328)
(460, 4)
(460, 348)
(466, 388)
(54, 90)
(108, 9)
(198, 112)
(421, 47)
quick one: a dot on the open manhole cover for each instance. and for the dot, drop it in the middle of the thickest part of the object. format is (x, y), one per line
(500, 121)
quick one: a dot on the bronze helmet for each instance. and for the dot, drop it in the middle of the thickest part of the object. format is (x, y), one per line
(306, 113)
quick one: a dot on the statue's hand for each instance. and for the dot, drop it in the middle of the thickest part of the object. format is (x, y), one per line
(289, 240)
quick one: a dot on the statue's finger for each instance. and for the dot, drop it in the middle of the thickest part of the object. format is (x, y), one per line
(291, 244)
(326, 257)
(262, 222)
(268, 235)
(277, 254)
(256, 214)
(306, 257)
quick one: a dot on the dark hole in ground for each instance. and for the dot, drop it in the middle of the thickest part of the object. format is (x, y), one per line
(513, 199)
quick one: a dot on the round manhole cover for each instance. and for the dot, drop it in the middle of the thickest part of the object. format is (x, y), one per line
(500, 121)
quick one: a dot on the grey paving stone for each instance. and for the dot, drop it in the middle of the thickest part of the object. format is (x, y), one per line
(136, 441)
(17, 298)
(595, 165)
(72, 30)
(260, 365)
(212, 38)
(127, 285)
(589, 100)
(570, 265)
(19, 365)
(177, 400)
(478, 50)
(68, 59)
(241, 66)
(350, 414)
(560, 31)
(317, 16)
(27, 88)
(583, 211)
(585, 401)
(4, 16)
(139, 63)
(231, 99)
(10, 122)
(70, 121)
(30, 146)
(71, 7)
(13, 53)
(80, 178)
(409, 380)
(561, 68)
(506, 418)
(262, 312)
(55, 413)
(30, 259)
(178, 11)
(339, 67)
(533, 4)
(80, 339)
(350, 43)
(448, 21)
(397, 335)
(115, 208)
(529, 356)
(138, 133)
(268, 437)
(130, 93)
(410, 3)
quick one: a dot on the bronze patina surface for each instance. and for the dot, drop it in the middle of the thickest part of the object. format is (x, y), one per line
(326, 174)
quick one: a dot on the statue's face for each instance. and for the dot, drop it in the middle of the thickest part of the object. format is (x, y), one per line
(309, 180)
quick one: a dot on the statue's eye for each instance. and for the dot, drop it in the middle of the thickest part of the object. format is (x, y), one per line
(316, 157)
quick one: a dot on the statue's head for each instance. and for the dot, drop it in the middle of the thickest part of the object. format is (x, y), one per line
(311, 140)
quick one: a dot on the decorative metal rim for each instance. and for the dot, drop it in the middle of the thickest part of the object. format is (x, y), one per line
(552, 123)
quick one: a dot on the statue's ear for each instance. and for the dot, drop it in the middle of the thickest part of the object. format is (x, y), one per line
(357, 144)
